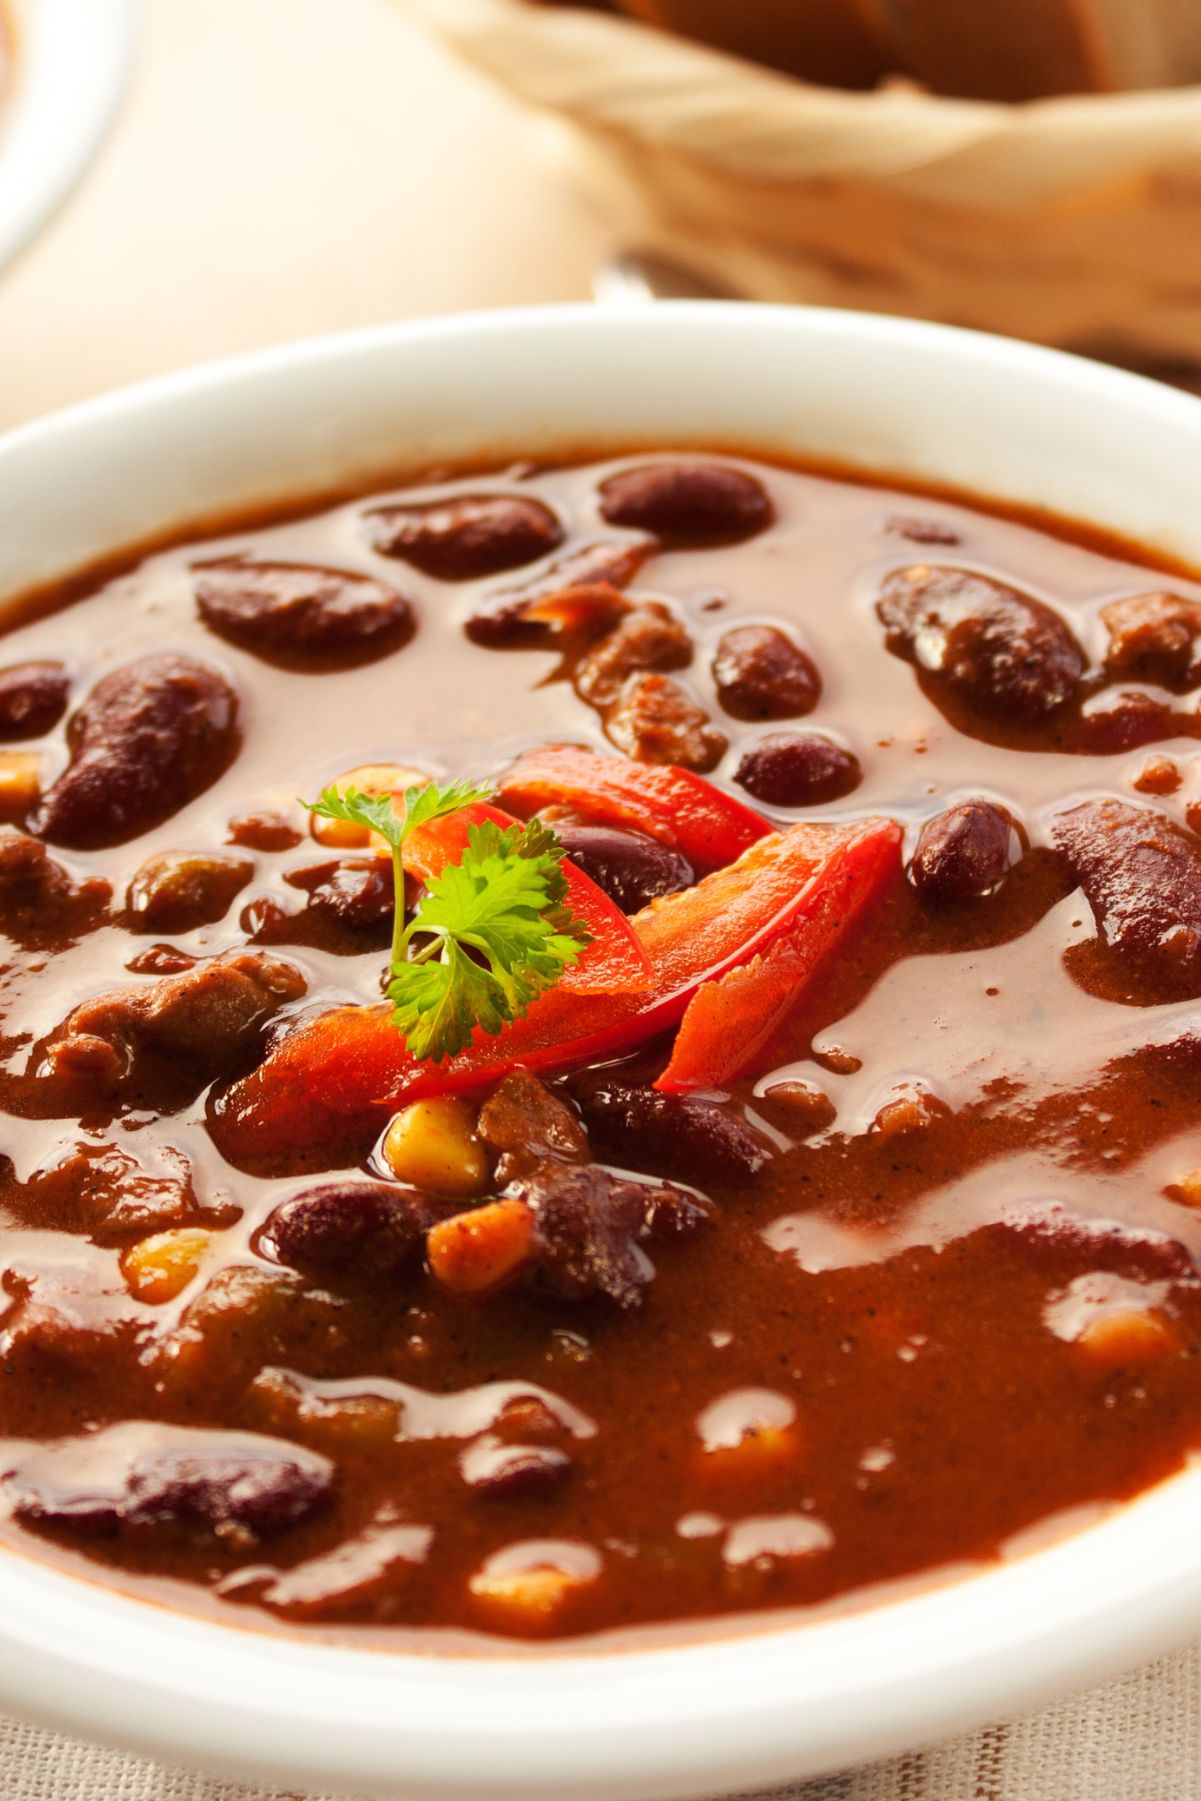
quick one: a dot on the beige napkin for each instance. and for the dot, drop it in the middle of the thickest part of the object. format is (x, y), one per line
(1137, 1739)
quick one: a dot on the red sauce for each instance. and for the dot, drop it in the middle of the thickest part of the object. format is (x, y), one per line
(946, 1290)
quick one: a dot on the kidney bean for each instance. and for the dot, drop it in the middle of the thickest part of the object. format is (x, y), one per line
(655, 720)
(632, 869)
(997, 649)
(262, 828)
(33, 698)
(921, 531)
(300, 617)
(1061, 1240)
(798, 769)
(762, 673)
(351, 1227)
(467, 537)
(499, 1472)
(962, 855)
(156, 1480)
(687, 504)
(357, 892)
(1124, 721)
(1141, 875)
(1155, 638)
(696, 1139)
(148, 739)
(578, 598)
(161, 960)
(178, 890)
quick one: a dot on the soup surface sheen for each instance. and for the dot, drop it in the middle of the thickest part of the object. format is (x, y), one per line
(914, 1280)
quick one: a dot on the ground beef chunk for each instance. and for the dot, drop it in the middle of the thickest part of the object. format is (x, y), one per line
(103, 1190)
(589, 1224)
(39, 898)
(527, 1125)
(1154, 638)
(655, 720)
(1141, 875)
(576, 599)
(648, 637)
(210, 1014)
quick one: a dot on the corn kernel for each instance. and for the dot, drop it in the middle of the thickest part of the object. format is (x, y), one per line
(1129, 1336)
(1158, 775)
(530, 1601)
(159, 1268)
(748, 1435)
(910, 1110)
(373, 779)
(477, 1251)
(432, 1144)
(20, 782)
(1186, 1188)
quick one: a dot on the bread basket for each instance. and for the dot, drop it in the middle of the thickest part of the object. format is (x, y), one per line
(1074, 221)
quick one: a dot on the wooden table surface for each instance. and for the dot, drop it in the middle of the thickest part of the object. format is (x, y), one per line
(284, 167)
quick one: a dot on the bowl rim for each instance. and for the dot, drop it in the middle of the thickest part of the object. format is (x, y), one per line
(72, 60)
(666, 1720)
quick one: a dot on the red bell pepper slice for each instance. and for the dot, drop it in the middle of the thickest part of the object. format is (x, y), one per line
(615, 961)
(335, 1078)
(729, 1021)
(676, 806)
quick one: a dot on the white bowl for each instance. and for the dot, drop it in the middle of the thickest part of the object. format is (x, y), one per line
(679, 1719)
(72, 57)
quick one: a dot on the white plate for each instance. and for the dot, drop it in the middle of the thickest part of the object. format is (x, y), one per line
(72, 57)
(679, 1720)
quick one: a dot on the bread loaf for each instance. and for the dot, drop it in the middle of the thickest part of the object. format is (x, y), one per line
(840, 43)
(1023, 49)
(977, 49)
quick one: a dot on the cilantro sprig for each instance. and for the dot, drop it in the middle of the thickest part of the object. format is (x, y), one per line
(491, 933)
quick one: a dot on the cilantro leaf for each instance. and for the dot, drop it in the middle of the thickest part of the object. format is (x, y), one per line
(437, 1006)
(375, 811)
(499, 930)
(494, 930)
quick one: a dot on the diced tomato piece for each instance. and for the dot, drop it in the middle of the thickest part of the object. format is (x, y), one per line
(676, 806)
(334, 1079)
(615, 961)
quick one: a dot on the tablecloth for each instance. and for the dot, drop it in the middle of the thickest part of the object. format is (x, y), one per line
(1135, 1739)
